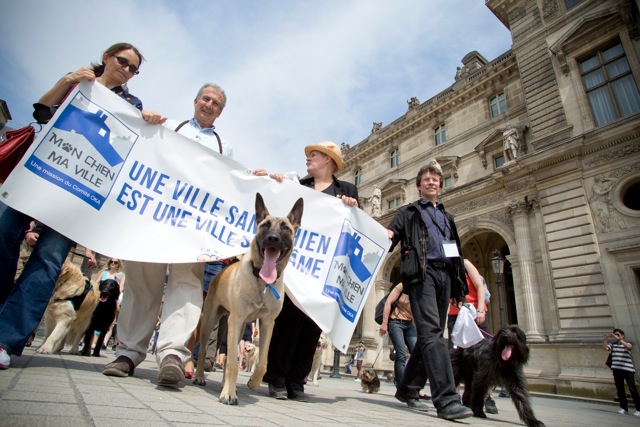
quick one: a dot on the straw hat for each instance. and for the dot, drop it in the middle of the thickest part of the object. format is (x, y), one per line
(329, 148)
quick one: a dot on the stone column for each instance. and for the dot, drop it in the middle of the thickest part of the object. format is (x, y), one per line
(519, 210)
(369, 325)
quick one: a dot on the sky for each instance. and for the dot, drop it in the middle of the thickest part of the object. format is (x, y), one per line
(296, 72)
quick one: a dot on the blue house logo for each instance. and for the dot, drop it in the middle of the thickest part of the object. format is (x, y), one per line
(93, 127)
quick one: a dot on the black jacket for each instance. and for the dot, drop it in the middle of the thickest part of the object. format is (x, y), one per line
(409, 230)
(342, 188)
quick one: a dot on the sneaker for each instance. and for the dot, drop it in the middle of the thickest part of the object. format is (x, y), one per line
(636, 414)
(5, 360)
(455, 411)
(412, 402)
(357, 379)
(490, 406)
(622, 412)
(121, 367)
(279, 393)
(171, 371)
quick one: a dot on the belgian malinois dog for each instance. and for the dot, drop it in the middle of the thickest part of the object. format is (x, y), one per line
(247, 290)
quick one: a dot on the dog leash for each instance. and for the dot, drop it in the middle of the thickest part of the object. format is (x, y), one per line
(376, 359)
(486, 333)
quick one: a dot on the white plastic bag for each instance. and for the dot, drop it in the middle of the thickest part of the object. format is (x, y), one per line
(465, 332)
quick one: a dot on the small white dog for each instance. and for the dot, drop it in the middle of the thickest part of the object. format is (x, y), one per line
(252, 352)
(323, 342)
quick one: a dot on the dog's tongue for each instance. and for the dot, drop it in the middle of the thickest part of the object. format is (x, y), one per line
(268, 271)
(506, 353)
(103, 299)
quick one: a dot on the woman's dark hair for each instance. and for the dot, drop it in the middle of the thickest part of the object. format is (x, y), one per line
(98, 69)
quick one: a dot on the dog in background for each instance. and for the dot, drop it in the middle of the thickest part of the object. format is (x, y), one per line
(323, 342)
(250, 289)
(69, 311)
(103, 316)
(491, 362)
(251, 351)
(370, 382)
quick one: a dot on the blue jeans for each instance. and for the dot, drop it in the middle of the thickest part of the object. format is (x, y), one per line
(403, 336)
(430, 359)
(211, 270)
(27, 301)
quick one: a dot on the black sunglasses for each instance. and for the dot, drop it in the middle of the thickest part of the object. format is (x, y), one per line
(125, 63)
(114, 262)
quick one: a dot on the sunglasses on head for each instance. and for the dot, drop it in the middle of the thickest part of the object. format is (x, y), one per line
(125, 63)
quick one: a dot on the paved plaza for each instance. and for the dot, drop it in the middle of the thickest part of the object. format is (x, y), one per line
(67, 390)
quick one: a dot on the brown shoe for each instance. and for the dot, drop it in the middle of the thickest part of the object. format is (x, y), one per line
(208, 365)
(171, 371)
(121, 367)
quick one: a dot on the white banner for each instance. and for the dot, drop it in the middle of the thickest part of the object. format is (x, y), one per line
(102, 176)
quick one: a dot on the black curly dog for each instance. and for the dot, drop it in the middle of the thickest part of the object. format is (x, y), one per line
(491, 362)
(103, 316)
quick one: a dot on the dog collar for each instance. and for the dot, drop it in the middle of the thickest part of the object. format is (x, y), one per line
(256, 272)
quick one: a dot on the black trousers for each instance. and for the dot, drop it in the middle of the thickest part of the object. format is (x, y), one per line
(430, 358)
(620, 377)
(293, 345)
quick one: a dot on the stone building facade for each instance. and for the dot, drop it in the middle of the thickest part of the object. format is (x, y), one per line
(540, 149)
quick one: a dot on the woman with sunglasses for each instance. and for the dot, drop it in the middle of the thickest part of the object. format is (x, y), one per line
(23, 303)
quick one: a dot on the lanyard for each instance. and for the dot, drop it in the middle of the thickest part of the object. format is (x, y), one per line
(444, 235)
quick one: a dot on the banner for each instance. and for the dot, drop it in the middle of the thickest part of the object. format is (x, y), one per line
(99, 174)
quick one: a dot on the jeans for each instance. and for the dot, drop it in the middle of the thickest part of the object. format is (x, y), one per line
(403, 336)
(430, 359)
(211, 270)
(27, 301)
(13, 226)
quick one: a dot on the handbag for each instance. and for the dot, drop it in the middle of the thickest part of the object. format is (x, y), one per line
(609, 361)
(380, 309)
(12, 150)
(465, 331)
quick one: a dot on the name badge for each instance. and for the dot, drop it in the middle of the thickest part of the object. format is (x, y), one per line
(450, 248)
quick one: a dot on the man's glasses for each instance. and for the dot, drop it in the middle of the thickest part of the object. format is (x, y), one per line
(125, 63)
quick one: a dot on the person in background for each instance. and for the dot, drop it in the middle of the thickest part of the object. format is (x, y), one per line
(28, 297)
(623, 370)
(398, 321)
(428, 237)
(295, 334)
(360, 350)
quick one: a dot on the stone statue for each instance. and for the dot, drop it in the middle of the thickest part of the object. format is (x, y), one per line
(376, 127)
(413, 103)
(511, 141)
(375, 201)
(458, 73)
(600, 203)
(344, 148)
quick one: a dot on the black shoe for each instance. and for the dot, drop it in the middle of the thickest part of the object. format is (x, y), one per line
(279, 393)
(121, 367)
(171, 371)
(504, 393)
(455, 411)
(208, 365)
(412, 402)
(490, 406)
(298, 396)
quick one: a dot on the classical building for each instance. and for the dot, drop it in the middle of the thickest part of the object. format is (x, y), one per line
(540, 148)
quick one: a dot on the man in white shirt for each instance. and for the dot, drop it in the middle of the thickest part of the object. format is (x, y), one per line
(145, 280)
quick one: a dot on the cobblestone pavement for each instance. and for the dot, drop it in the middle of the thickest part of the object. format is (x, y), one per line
(67, 390)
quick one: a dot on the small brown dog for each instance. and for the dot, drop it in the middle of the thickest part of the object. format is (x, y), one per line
(68, 314)
(250, 289)
(370, 381)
